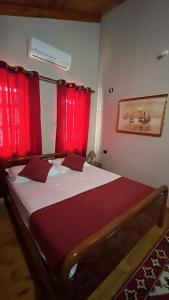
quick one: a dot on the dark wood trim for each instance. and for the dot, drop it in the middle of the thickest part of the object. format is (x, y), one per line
(7, 163)
(39, 12)
(111, 5)
(96, 239)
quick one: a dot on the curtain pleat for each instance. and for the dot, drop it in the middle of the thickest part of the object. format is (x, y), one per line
(20, 127)
(73, 112)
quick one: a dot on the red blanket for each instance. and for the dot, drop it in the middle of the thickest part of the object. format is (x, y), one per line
(60, 227)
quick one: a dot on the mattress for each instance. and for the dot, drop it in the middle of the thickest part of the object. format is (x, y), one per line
(94, 195)
(31, 196)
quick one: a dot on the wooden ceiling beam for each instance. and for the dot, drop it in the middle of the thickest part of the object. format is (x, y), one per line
(111, 5)
(38, 12)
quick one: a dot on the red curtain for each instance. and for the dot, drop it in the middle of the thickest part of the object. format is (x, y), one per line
(20, 127)
(73, 112)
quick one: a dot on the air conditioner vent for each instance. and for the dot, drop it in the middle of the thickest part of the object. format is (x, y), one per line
(42, 51)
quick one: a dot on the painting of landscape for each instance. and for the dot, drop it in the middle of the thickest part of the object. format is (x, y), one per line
(143, 115)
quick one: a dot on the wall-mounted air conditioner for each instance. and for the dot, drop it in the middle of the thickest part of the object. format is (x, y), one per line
(46, 53)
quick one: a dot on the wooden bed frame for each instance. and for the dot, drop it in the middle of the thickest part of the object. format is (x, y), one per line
(96, 256)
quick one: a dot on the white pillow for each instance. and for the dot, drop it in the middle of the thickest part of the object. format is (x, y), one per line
(13, 174)
(86, 164)
(53, 171)
(56, 161)
(63, 169)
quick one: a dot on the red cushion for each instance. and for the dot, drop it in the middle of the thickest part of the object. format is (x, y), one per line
(74, 162)
(36, 169)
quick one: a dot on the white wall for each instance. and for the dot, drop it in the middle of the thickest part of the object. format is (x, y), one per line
(80, 39)
(132, 36)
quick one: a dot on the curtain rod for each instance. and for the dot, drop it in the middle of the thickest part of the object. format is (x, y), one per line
(43, 78)
(48, 79)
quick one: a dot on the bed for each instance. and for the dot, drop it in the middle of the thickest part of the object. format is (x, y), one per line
(71, 231)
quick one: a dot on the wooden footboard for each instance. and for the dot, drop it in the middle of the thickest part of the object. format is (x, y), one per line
(96, 256)
(124, 233)
(157, 198)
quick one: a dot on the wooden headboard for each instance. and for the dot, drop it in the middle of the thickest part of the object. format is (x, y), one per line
(8, 163)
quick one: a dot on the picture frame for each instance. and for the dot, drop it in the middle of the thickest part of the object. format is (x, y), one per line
(143, 115)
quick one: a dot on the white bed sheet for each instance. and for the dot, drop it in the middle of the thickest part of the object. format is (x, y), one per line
(29, 196)
(32, 195)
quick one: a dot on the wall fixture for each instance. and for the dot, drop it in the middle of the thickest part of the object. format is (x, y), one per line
(162, 54)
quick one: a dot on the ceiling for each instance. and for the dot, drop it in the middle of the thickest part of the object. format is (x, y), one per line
(78, 10)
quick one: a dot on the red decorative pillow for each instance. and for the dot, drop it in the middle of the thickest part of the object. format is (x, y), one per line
(36, 169)
(74, 162)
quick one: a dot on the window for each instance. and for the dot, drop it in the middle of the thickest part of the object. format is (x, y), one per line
(73, 112)
(20, 129)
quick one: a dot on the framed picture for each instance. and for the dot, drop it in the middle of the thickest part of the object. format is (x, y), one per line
(144, 115)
